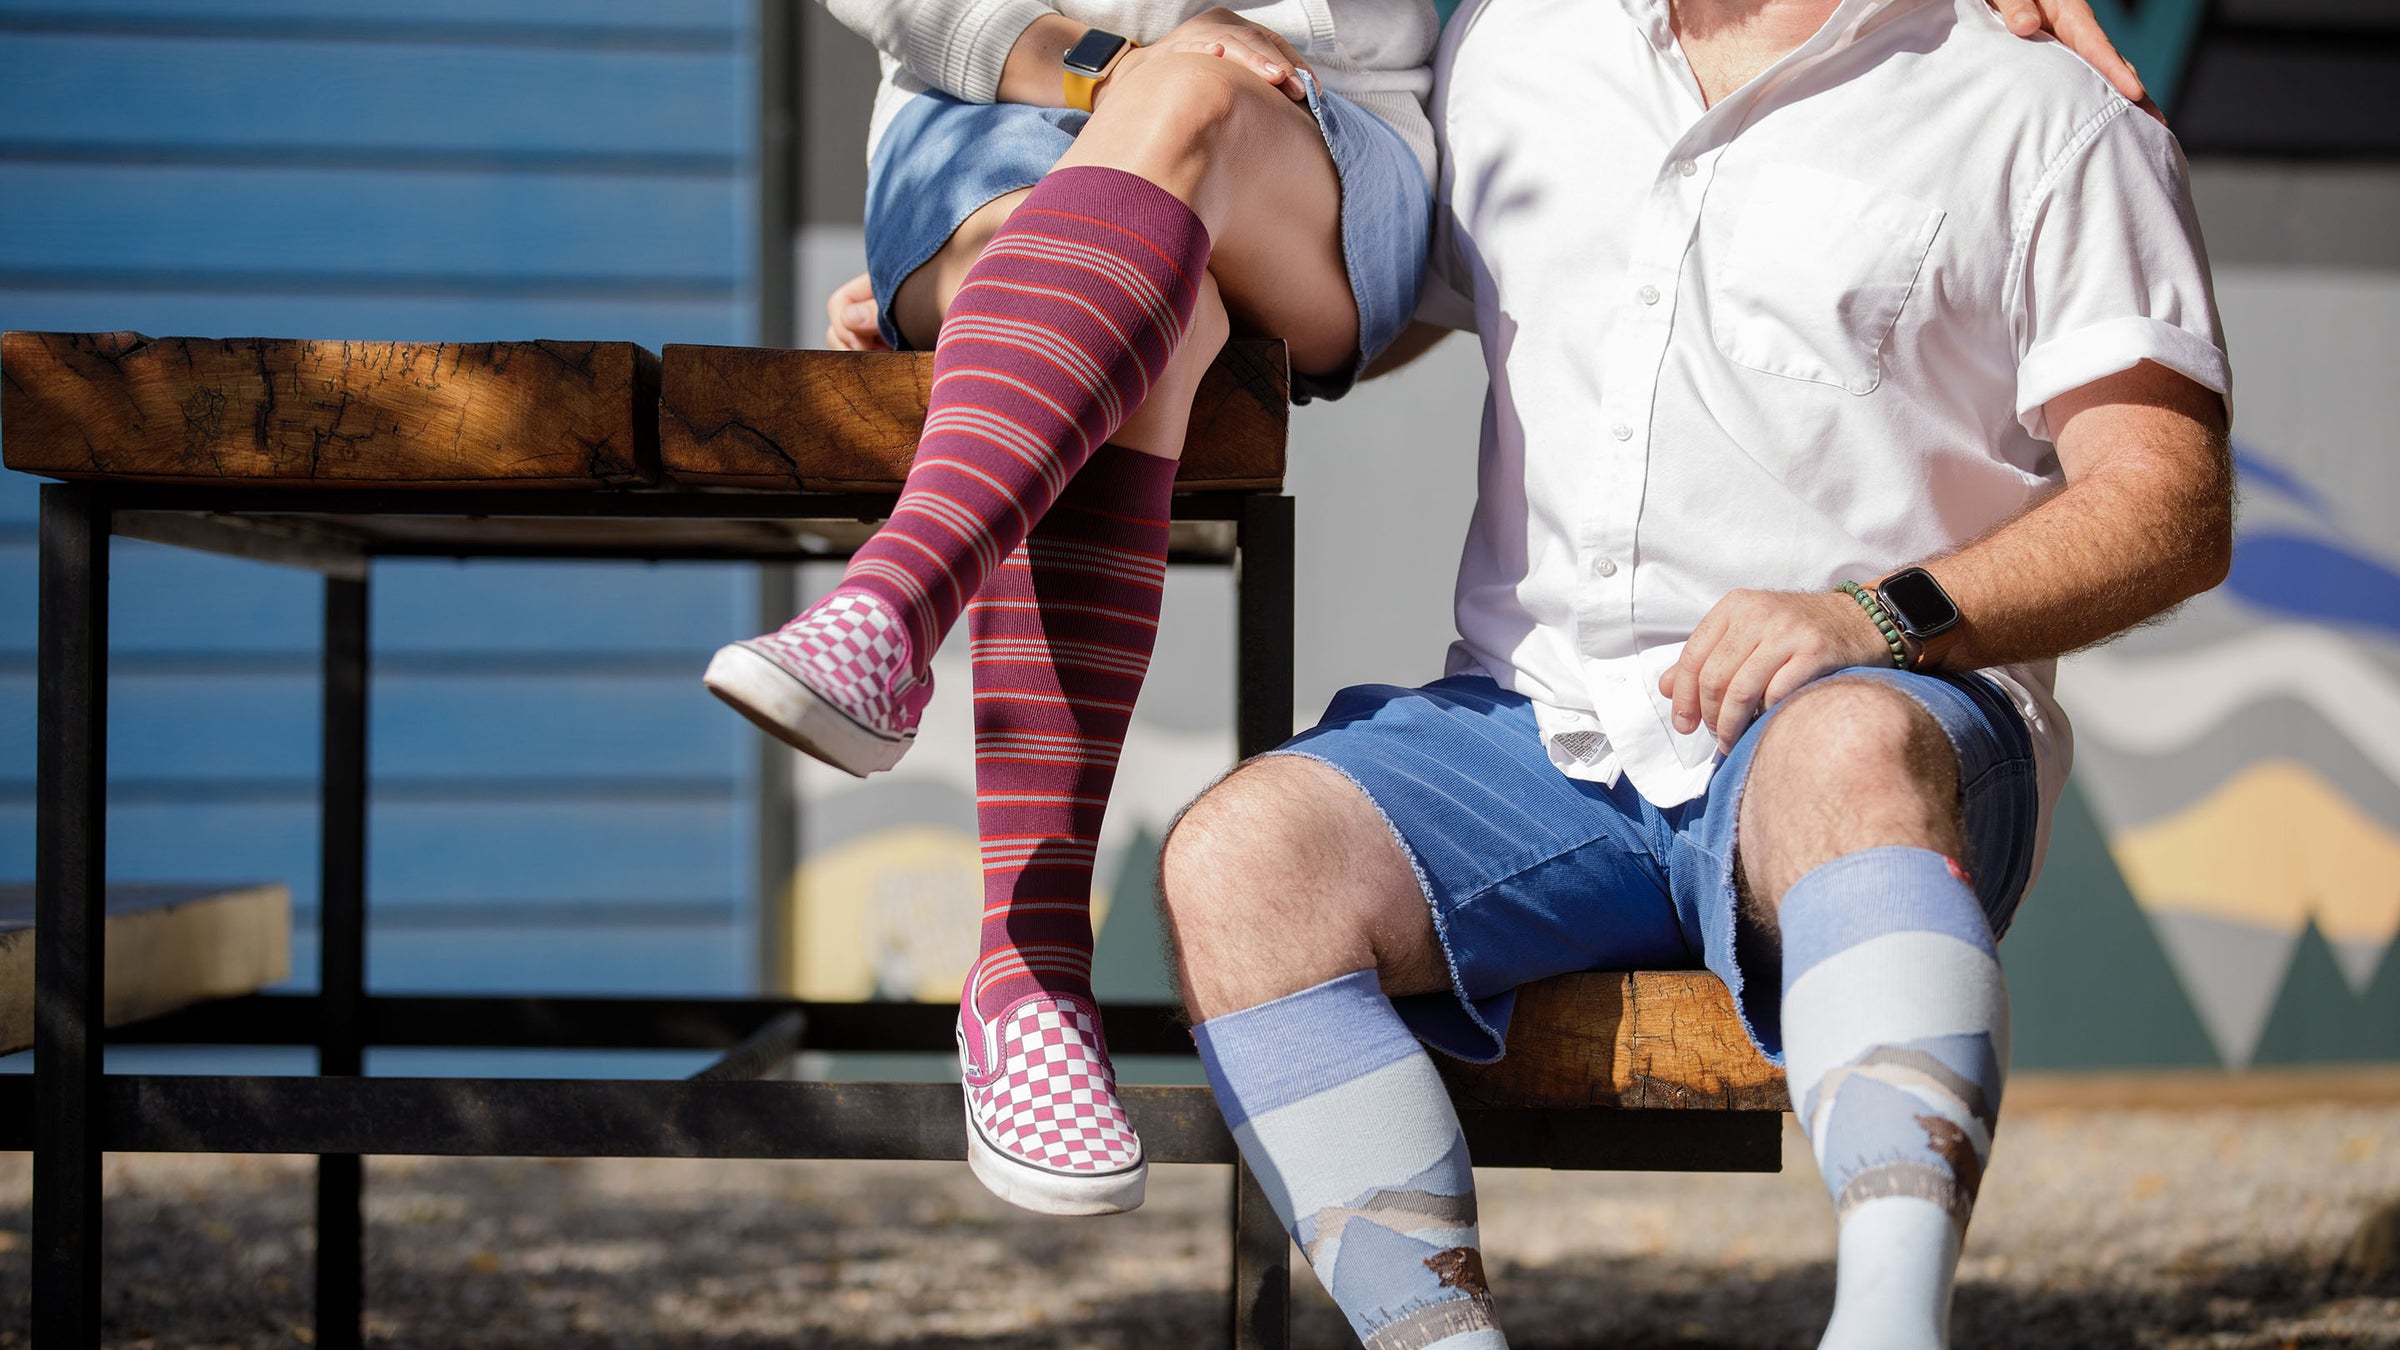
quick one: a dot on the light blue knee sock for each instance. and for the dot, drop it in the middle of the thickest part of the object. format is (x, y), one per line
(1342, 1116)
(1895, 1034)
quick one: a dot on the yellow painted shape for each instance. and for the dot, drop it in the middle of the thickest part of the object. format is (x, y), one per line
(2275, 845)
(893, 914)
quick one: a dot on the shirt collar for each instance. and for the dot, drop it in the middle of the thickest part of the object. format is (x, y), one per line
(1840, 30)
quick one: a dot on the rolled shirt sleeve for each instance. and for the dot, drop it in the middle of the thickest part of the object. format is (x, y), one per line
(2113, 271)
(957, 46)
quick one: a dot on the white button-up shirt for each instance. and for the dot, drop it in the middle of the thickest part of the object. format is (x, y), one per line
(1800, 337)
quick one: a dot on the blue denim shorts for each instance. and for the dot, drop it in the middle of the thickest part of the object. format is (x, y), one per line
(940, 160)
(1531, 873)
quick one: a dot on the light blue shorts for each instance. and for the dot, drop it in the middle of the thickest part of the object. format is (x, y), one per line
(940, 160)
(1531, 873)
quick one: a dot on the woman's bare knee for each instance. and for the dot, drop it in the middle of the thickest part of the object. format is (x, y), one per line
(1172, 120)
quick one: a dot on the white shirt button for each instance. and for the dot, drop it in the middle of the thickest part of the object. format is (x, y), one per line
(1686, 167)
(1621, 431)
(1649, 295)
(1604, 568)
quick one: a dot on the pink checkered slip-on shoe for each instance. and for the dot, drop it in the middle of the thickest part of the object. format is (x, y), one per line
(1045, 1130)
(837, 683)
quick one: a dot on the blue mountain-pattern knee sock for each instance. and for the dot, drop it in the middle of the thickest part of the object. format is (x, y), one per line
(1342, 1116)
(1895, 1034)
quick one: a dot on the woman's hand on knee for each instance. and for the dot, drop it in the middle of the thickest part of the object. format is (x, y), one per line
(1222, 33)
(850, 324)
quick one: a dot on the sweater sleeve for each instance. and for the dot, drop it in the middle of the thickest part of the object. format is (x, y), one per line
(957, 46)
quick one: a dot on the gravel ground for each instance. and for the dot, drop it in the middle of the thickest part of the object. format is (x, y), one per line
(2221, 1229)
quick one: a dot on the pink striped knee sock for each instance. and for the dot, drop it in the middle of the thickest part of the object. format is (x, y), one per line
(1055, 336)
(1060, 638)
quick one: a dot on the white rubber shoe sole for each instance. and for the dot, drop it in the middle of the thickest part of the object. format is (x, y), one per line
(1046, 1192)
(797, 715)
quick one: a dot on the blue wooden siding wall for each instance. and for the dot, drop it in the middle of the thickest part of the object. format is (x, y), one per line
(556, 803)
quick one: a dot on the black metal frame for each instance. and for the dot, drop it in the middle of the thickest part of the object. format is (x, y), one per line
(77, 1112)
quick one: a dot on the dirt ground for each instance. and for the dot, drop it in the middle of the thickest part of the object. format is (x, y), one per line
(2223, 1229)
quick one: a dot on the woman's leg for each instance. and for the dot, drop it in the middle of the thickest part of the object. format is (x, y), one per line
(1250, 162)
(1062, 629)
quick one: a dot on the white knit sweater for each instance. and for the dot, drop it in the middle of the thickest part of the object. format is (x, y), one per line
(1374, 52)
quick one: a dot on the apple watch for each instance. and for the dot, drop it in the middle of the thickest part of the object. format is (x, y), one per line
(1088, 62)
(1926, 614)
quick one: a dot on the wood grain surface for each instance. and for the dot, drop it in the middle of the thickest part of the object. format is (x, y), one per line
(268, 411)
(751, 417)
(1643, 1040)
(168, 947)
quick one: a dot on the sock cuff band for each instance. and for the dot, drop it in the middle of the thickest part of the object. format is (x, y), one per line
(1131, 203)
(1299, 1045)
(1865, 895)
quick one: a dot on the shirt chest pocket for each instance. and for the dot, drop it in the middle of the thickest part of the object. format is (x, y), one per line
(1812, 273)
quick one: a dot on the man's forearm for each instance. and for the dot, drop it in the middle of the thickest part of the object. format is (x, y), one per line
(2144, 529)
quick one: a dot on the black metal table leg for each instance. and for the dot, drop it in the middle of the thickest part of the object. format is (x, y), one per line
(342, 950)
(70, 838)
(1263, 581)
(1262, 697)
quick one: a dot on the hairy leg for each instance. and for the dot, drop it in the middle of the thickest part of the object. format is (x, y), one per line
(1282, 877)
(1894, 1018)
(1295, 917)
(1845, 765)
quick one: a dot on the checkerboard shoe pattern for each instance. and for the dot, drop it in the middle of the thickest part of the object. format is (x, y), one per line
(1045, 1128)
(837, 682)
(1057, 333)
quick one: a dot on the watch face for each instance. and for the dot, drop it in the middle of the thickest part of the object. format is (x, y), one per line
(1918, 602)
(1091, 54)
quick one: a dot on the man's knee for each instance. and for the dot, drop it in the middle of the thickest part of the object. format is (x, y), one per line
(1282, 877)
(1857, 735)
(1260, 828)
(1845, 765)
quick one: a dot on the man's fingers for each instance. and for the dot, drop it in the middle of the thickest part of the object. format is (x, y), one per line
(2023, 17)
(1787, 682)
(2072, 21)
(1745, 695)
(1681, 683)
(1723, 664)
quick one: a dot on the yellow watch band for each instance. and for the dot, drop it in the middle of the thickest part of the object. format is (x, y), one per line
(1080, 88)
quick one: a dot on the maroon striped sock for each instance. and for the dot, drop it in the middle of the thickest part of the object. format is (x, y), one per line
(1060, 638)
(1056, 335)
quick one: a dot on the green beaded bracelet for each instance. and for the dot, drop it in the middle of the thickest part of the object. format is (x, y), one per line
(1883, 621)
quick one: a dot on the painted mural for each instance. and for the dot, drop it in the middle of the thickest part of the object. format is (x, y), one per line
(2244, 760)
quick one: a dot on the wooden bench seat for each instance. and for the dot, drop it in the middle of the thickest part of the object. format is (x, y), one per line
(1628, 1041)
(169, 947)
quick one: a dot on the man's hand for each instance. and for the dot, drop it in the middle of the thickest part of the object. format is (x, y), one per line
(1221, 32)
(850, 318)
(1755, 648)
(2072, 22)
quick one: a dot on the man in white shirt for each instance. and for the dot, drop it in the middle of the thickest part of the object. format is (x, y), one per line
(1777, 297)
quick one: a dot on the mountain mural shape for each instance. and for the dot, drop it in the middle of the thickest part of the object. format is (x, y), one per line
(2243, 761)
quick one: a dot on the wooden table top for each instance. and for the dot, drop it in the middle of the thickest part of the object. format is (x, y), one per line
(299, 413)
